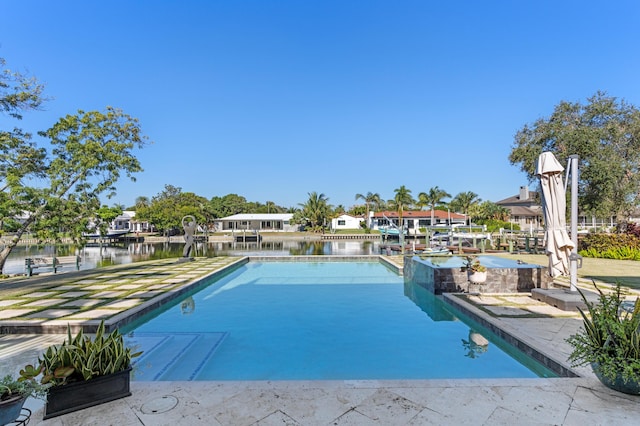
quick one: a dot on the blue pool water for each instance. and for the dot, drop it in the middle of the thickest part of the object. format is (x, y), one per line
(486, 260)
(317, 321)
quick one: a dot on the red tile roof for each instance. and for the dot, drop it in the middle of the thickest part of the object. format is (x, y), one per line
(420, 214)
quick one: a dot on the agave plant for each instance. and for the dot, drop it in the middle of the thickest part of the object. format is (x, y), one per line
(82, 358)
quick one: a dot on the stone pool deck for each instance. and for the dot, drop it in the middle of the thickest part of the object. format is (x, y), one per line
(113, 293)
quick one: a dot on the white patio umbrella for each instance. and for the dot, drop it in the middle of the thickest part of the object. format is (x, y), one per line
(557, 243)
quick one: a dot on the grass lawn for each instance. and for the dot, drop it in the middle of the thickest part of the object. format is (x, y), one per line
(627, 272)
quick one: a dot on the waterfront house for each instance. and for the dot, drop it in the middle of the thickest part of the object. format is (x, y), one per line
(346, 221)
(272, 222)
(525, 208)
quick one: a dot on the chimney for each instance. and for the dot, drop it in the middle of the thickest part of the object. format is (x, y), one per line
(524, 193)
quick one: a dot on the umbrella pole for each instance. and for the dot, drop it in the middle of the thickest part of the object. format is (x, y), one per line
(574, 222)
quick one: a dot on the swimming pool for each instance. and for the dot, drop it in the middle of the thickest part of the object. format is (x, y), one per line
(318, 321)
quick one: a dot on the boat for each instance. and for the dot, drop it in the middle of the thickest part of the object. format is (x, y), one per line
(111, 233)
(390, 231)
(435, 251)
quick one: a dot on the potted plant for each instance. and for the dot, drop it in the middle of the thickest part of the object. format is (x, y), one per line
(476, 272)
(84, 372)
(610, 340)
(13, 394)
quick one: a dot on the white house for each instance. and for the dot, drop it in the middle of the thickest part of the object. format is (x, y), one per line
(127, 221)
(278, 222)
(346, 221)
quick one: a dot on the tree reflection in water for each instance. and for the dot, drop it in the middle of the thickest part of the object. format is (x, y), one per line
(309, 248)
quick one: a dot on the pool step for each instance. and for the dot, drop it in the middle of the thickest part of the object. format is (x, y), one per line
(173, 356)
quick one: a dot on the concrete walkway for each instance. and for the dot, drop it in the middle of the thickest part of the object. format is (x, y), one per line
(570, 401)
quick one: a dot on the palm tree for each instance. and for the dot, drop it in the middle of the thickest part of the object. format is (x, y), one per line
(371, 199)
(432, 199)
(401, 200)
(316, 210)
(463, 202)
(142, 201)
(269, 205)
(422, 200)
(490, 210)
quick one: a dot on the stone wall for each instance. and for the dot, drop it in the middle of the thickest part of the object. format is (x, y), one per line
(499, 280)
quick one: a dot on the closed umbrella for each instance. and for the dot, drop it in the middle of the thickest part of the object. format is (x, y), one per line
(557, 244)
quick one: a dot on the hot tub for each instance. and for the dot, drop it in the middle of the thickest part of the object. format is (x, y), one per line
(445, 274)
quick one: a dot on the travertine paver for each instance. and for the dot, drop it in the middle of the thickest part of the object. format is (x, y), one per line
(114, 294)
(98, 286)
(523, 300)
(4, 303)
(12, 313)
(124, 304)
(174, 280)
(88, 281)
(145, 294)
(486, 300)
(51, 313)
(501, 310)
(551, 311)
(74, 294)
(42, 294)
(68, 287)
(130, 286)
(82, 303)
(45, 302)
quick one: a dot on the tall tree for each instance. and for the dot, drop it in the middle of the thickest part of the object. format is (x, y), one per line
(167, 209)
(401, 200)
(89, 152)
(229, 205)
(371, 199)
(605, 133)
(434, 197)
(464, 201)
(18, 92)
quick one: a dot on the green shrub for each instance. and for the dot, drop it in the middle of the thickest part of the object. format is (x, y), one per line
(494, 225)
(610, 246)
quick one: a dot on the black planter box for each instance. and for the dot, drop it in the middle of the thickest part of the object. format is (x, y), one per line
(76, 396)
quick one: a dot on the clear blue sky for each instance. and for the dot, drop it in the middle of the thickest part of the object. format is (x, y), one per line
(274, 99)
